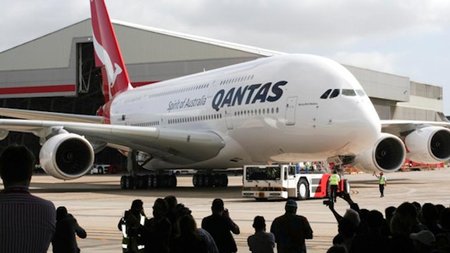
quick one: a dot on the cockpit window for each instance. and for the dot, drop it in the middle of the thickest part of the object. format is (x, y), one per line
(360, 93)
(348, 92)
(335, 93)
(326, 94)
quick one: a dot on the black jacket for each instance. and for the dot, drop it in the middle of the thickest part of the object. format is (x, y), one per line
(64, 240)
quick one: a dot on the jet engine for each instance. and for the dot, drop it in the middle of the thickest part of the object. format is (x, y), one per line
(388, 155)
(66, 156)
(428, 144)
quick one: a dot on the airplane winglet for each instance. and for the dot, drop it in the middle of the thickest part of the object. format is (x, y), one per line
(107, 51)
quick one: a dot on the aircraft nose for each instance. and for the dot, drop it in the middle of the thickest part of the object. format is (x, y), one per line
(367, 122)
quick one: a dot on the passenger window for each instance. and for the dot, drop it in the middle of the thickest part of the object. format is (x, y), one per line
(335, 93)
(348, 92)
(325, 94)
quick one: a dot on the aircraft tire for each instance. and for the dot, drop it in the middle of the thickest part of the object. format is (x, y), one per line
(209, 180)
(129, 182)
(172, 181)
(216, 180)
(156, 182)
(123, 184)
(141, 182)
(150, 181)
(224, 180)
(195, 180)
(164, 180)
(201, 180)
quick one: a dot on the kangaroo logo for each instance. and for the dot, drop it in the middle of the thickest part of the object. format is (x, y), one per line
(111, 71)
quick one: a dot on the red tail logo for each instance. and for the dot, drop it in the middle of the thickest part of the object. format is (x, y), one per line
(107, 51)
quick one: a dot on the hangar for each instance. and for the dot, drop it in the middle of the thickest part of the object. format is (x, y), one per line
(56, 72)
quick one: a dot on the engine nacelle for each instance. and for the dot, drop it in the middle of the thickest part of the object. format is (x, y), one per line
(388, 155)
(428, 145)
(66, 156)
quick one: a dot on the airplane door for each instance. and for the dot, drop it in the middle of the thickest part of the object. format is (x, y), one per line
(229, 120)
(290, 111)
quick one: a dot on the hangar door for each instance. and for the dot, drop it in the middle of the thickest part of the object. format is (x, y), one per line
(86, 70)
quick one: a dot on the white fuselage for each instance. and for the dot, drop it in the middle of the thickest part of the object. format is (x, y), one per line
(265, 110)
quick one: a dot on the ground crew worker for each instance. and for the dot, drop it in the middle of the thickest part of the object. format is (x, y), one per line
(381, 182)
(132, 227)
(334, 185)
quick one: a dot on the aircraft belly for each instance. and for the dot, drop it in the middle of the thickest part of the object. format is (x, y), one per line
(292, 144)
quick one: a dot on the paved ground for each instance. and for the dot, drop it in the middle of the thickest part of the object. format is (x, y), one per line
(98, 203)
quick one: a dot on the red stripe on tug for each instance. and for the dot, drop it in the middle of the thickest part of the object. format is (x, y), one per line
(321, 190)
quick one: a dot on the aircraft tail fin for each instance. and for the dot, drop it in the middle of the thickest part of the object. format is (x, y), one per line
(107, 52)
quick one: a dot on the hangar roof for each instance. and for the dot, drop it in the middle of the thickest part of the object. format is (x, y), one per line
(139, 44)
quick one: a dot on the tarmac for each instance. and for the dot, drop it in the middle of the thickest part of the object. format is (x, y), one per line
(98, 203)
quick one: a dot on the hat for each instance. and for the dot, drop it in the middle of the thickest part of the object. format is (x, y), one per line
(291, 203)
(424, 237)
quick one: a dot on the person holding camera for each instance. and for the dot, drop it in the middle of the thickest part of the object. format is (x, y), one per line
(67, 228)
(219, 224)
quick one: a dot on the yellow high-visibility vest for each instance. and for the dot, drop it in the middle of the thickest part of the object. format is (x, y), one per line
(334, 179)
(126, 239)
(382, 180)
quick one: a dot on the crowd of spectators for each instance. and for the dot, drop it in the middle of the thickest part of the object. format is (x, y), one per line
(409, 227)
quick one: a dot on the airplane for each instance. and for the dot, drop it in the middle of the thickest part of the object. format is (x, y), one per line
(278, 109)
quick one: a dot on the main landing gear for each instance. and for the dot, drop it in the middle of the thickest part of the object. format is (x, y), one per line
(162, 180)
(134, 181)
(170, 181)
(148, 181)
(210, 180)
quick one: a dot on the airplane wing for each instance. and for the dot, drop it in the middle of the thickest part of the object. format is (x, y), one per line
(55, 116)
(168, 144)
(404, 127)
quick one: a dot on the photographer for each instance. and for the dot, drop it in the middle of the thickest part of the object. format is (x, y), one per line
(64, 240)
(347, 224)
(219, 224)
(353, 206)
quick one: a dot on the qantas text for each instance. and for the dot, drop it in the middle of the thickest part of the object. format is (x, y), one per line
(249, 94)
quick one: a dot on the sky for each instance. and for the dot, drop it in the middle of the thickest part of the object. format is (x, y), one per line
(408, 38)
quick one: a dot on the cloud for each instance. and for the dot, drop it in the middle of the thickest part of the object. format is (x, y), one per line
(26, 20)
(290, 25)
